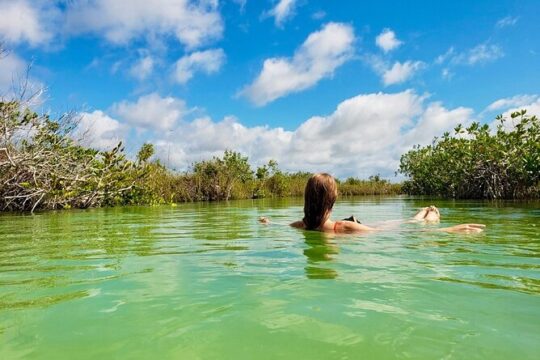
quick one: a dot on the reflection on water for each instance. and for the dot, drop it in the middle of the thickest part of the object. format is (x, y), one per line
(320, 248)
(207, 281)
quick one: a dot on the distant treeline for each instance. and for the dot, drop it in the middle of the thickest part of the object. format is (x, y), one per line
(43, 167)
(479, 162)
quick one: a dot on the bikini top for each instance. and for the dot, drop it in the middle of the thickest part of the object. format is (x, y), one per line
(350, 218)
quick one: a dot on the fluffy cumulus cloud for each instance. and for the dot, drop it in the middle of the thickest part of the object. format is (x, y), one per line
(434, 121)
(393, 74)
(208, 61)
(533, 108)
(365, 135)
(203, 138)
(27, 21)
(99, 131)
(401, 72)
(283, 11)
(151, 112)
(387, 40)
(507, 106)
(193, 23)
(318, 57)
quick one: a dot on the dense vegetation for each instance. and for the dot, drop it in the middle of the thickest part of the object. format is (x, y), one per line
(479, 162)
(43, 166)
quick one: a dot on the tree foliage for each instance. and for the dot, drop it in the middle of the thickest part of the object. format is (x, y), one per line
(41, 166)
(215, 178)
(479, 162)
(374, 185)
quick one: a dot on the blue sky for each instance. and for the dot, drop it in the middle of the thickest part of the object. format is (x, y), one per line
(339, 86)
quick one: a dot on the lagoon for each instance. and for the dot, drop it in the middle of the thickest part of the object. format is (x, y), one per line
(207, 281)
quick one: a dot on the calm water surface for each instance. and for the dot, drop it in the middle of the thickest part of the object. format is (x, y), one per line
(206, 281)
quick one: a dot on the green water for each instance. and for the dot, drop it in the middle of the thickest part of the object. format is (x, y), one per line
(206, 281)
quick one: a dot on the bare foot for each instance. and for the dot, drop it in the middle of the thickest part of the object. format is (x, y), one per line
(433, 214)
(421, 214)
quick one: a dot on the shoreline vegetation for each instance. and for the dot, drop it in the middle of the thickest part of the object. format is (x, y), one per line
(43, 166)
(479, 162)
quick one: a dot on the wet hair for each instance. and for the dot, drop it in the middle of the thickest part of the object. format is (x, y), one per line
(319, 197)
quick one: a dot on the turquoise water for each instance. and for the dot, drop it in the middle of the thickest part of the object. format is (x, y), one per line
(206, 281)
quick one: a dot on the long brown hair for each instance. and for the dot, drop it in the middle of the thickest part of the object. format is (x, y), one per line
(319, 197)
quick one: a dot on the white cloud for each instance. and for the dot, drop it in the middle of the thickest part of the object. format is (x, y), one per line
(143, 67)
(512, 102)
(365, 135)
(203, 138)
(193, 23)
(531, 103)
(532, 109)
(99, 131)
(25, 21)
(401, 72)
(283, 11)
(13, 68)
(208, 61)
(507, 21)
(387, 40)
(434, 121)
(318, 57)
(480, 54)
(151, 112)
(395, 74)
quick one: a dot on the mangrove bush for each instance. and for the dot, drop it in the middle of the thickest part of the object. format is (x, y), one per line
(478, 161)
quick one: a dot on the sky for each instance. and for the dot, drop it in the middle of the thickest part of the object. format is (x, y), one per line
(344, 87)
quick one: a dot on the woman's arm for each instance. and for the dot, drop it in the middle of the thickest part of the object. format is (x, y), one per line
(352, 227)
(297, 224)
(463, 228)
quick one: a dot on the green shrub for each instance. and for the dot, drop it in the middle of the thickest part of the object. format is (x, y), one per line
(478, 162)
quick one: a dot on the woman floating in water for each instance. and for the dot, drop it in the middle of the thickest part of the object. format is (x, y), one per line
(319, 198)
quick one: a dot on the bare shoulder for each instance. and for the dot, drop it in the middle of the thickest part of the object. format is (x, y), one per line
(297, 224)
(349, 226)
